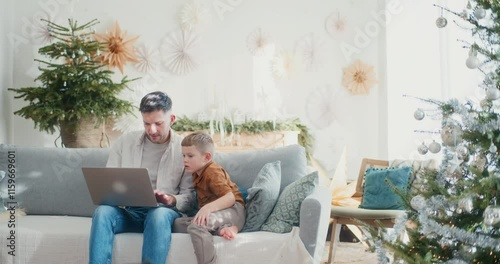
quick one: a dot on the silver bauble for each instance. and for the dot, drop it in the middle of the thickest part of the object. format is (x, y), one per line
(419, 114)
(479, 13)
(434, 147)
(418, 202)
(441, 22)
(491, 215)
(492, 93)
(461, 150)
(493, 148)
(466, 204)
(422, 149)
(472, 62)
(451, 134)
(485, 104)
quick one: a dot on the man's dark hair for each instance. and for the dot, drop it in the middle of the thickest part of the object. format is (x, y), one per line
(155, 101)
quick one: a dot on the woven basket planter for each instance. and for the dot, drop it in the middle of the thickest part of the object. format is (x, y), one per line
(87, 133)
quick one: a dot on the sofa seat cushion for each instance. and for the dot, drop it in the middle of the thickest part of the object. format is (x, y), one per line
(65, 239)
(360, 213)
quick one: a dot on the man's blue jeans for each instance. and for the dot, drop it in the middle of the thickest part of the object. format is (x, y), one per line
(155, 223)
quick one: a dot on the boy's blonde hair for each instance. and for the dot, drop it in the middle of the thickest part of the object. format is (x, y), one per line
(200, 140)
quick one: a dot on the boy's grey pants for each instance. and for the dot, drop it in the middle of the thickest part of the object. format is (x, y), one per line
(202, 236)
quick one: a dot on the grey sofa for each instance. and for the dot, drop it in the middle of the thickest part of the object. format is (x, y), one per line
(47, 183)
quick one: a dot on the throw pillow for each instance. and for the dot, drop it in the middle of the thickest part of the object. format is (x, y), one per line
(244, 193)
(417, 182)
(377, 194)
(286, 213)
(262, 196)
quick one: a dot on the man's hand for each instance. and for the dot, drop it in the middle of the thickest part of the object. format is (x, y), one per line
(201, 218)
(164, 198)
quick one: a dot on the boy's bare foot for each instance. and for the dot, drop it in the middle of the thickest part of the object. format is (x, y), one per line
(229, 232)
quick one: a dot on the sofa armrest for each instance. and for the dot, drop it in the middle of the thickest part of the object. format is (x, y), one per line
(314, 220)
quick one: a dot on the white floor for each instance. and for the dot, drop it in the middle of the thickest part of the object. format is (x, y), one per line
(355, 253)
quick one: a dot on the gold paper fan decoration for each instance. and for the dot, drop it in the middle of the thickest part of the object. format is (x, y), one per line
(359, 78)
(119, 50)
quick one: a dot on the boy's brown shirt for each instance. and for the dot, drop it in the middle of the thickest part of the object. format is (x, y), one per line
(213, 183)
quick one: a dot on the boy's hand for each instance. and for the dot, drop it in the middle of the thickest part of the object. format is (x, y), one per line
(201, 218)
(164, 198)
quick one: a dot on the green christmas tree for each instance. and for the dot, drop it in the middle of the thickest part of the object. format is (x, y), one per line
(455, 217)
(75, 86)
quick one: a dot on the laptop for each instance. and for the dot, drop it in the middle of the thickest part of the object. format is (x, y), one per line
(120, 186)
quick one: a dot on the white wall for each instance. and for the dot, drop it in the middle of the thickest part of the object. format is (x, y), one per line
(5, 73)
(359, 122)
(424, 62)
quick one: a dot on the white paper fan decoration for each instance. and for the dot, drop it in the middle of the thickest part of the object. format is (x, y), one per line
(312, 51)
(320, 106)
(179, 51)
(285, 65)
(335, 24)
(258, 41)
(148, 59)
(41, 32)
(192, 14)
(131, 122)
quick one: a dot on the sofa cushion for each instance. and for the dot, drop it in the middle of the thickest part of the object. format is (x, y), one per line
(417, 181)
(377, 194)
(262, 196)
(243, 167)
(286, 212)
(49, 181)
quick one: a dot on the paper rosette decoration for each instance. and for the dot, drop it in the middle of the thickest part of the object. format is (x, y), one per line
(258, 41)
(148, 59)
(191, 15)
(119, 50)
(335, 24)
(179, 51)
(131, 122)
(359, 78)
(320, 106)
(312, 51)
(285, 65)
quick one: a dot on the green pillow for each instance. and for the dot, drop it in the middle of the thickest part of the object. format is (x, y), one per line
(262, 196)
(286, 213)
(377, 194)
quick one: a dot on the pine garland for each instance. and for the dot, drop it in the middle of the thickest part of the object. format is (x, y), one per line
(74, 85)
(251, 127)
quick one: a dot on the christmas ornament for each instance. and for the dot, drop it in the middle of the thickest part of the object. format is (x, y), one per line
(461, 149)
(466, 204)
(418, 202)
(419, 114)
(422, 149)
(434, 147)
(479, 13)
(469, 6)
(493, 148)
(492, 93)
(441, 22)
(451, 134)
(491, 215)
(358, 78)
(472, 61)
(485, 104)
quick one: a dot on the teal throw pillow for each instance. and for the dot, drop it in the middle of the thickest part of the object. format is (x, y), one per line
(286, 213)
(262, 196)
(244, 193)
(377, 194)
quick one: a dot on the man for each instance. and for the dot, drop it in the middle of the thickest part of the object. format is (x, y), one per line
(157, 148)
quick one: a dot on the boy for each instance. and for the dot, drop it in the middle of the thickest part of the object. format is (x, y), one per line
(222, 210)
